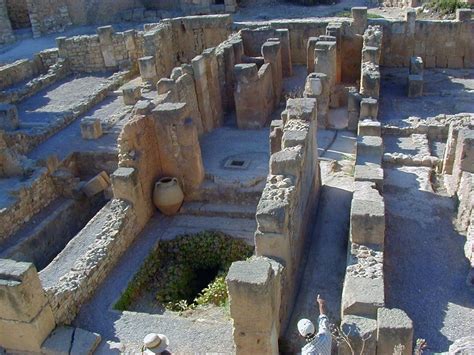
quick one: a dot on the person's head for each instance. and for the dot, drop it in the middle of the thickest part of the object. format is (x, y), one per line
(306, 328)
(155, 344)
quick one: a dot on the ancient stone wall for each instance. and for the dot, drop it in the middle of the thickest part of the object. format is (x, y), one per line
(38, 192)
(18, 13)
(48, 16)
(6, 31)
(284, 212)
(18, 71)
(116, 227)
(441, 44)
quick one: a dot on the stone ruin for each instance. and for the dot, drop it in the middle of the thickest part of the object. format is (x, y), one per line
(87, 128)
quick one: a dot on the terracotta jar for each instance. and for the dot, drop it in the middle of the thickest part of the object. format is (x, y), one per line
(168, 196)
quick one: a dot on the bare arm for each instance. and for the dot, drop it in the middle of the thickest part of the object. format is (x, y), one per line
(322, 305)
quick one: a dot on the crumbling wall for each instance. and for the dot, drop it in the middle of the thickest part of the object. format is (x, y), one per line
(441, 44)
(18, 71)
(18, 13)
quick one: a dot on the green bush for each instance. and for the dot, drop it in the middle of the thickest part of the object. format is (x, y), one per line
(187, 271)
(447, 6)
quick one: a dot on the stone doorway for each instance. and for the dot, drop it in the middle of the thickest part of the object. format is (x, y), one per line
(18, 14)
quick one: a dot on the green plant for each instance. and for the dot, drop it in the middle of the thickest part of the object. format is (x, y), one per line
(187, 271)
(447, 6)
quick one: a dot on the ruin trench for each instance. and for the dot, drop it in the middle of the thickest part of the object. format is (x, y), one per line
(425, 265)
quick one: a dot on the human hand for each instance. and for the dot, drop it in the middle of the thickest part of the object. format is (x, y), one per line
(320, 301)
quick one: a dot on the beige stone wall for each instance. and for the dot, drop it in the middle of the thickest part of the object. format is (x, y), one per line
(18, 71)
(38, 192)
(441, 44)
(290, 196)
(18, 13)
(117, 227)
(48, 16)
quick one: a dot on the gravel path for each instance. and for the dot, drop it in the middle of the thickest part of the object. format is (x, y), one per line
(425, 263)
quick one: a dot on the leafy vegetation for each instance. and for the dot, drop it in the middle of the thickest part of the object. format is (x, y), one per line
(187, 271)
(447, 6)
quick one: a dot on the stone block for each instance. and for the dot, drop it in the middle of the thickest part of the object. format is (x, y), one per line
(91, 128)
(58, 342)
(416, 66)
(131, 94)
(85, 342)
(96, 185)
(415, 85)
(24, 337)
(369, 127)
(464, 159)
(370, 54)
(370, 172)
(370, 147)
(359, 15)
(255, 296)
(147, 69)
(370, 80)
(8, 117)
(21, 293)
(124, 184)
(367, 220)
(362, 296)
(394, 329)
(362, 333)
(369, 108)
(310, 47)
(287, 161)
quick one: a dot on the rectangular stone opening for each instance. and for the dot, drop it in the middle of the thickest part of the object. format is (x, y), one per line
(237, 164)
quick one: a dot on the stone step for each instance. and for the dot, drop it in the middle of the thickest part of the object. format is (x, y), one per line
(220, 193)
(219, 209)
(68, 340)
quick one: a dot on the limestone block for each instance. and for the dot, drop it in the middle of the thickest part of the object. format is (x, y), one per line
(147, 68)
(21, 294)
(353, 108)
(370, 172)
(394, 328)
(369, 127)
(27, 336)
(276, 134)
(370, 147)
(124, 184)
(362, 333)
(106, 45)
(370, 80)
(325, 60)
(415, 85)
(416, 66)
(370, 54)
(359, 14)
(85, 342)
(367, 220)
(317, 86)
(369, 108)
(255, 296)
(450, 150)
(287, 161)
(91, 128)
(271, 53)
(464, 159)
(96, 185)
(131, 94)
(8, 117)
(362, 296)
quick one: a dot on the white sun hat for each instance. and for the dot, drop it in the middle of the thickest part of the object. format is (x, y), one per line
(305, 327)
(155, 343)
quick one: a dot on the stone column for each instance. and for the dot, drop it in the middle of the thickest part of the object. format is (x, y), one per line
(255, 296)
(353, 108)
(310, 48)
(317, 86)
(26, 318)
(359, 15)
(271, 53)
(287, 65)
(325, 60)
(148, 69)
(335, 30)
(107, 46)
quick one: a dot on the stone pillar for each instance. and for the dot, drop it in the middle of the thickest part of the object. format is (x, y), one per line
(335, 30)
(450, 150)
(148, 69)
(276, 134)
(353, 108)
(325, 60)
(359, 15)
(310, 48)
(255, 296)
(271, 53)
(107, 46)
(464, 156)
(26, 318)
(369, 108)
(177, 138)
(317, 86)
(287, 64)
(370, 80)
(394, 330)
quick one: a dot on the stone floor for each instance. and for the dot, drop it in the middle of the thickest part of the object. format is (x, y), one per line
(446, 91)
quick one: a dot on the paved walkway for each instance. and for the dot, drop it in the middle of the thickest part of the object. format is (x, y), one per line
(425, 269)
